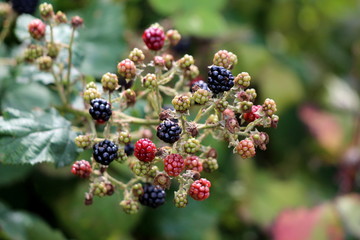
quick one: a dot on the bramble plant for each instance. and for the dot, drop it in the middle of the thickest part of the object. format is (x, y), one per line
(223, 104)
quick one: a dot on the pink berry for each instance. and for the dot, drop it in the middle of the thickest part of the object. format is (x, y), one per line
(154, 38)
(200, 189)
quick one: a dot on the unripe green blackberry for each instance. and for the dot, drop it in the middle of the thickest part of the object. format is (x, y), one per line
(122, 157)
(44, 63)
(137, 190)
(212, 119)
(242, 80)
(186, 61)
(246, 148)
(191, 145)
(32, 52)
(201, 96)
(181, 103)
(192, 72)
(149, 81)
(53, 49)
(90, 94)
(137, 56)
(269, 107)
(225, 59)
(124, 137)
(244, 107)
(173, 36)
(91, 85)
(153, 171)
(221, 105)
(130, 206)
(168, 59)
(46, 10)
(140, 168)
(60, 17)
(99, 189)
(109, 82)
(83, 141)
(251, 92)
(180, 199)
(127, 69)
(210, 165)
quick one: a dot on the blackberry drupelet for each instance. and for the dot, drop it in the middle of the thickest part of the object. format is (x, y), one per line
(154, 196)
(24, 6)
(105, 152)
(220, 79)
(100, 110)
(169, 131)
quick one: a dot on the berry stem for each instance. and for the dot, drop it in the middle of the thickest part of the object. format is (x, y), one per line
(128, 119)
(207, 126)
(115, 181)
(59, 87)
(203, 113)
(70, 58)
(51, 33)
(251, 125)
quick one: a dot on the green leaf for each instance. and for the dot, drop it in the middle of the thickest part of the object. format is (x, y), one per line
(10, 174)
(22, 226)
(30, 138)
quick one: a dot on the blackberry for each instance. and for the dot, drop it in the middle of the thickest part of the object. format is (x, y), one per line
(100, 110)
(129, 149)
(169, 131)
(199, 84)
(105, 152)
(154, 196)
(24, 6)
(220, 79)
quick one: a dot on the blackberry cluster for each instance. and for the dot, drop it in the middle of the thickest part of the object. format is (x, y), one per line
(220, 79)
(100, 110)
(105, 152)
(24, 6)
(199, 84)
(169, 131)
(154, 196)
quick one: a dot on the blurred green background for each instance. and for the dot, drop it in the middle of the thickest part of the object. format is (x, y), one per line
(305, 54)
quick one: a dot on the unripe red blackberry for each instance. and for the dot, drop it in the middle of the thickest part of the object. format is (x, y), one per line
(109, 82)
(127, 69)
(100, 110)
(201, 96)
(24, 6)
(124, 137)
(44, 63)
(173, 36)
(210, 165)
(91, 94)
(53, 49)
(145, 150)
(149, 81)
(169, 131)
(269, 107)
(242, 80)
(154, 196)
(154, 38)
(174, 164)
(200, 189)
(246, 148)
(81, 168)
(130, 206)
(105, 152)
(60, 17)
(193, 163)
(186, 61)
(46, 11)
(32, 52)
(220, 79)
(192, 72)
(137, 56)
(180, 199)
(254, 114)
(76, 22)
(83, 141)
(225, 59)
(168, 59)
(181, 103)
(37, 29)
(192, 145)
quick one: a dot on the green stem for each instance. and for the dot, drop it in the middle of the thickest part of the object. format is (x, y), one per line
(70, 59)
(203, 113)
(207, 126)
(51, 33)
(115, 181)
(59, 87)
(124, 118)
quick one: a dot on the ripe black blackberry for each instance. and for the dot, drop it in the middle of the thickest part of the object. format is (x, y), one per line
(100, 110)
(129, 149)
(199, 84)
(105, 152)
(154, 196)
(24, 6)
(169, 131)
(220, 79)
